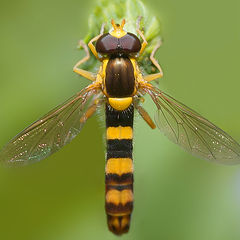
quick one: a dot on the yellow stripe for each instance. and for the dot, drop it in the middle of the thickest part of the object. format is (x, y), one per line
(119, 197)
(119, 132)
(119, 166)
(120, 104)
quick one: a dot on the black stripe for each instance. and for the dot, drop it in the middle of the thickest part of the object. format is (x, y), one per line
(119, 154)
(119, 145)
(116, 118)
(115, 178)
(112, 208)
(119, 187)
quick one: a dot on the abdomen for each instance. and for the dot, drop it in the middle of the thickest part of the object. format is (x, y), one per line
(119, 168)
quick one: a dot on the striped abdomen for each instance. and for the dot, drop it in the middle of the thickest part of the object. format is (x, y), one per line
(119, 169)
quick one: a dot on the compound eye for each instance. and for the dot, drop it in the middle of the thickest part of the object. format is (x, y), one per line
(106, 44)
(130, 43)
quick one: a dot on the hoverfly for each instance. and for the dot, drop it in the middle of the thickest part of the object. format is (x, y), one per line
(120, 86)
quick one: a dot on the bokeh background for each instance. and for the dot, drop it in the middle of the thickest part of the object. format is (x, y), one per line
(177, 196)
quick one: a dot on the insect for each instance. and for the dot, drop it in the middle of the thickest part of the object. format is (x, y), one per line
(120, 86)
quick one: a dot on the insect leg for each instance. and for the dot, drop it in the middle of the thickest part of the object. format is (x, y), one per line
(90, 44)
(144, 44)
(154, 76)
(145, 116)
(102, 29)
(89, 75)
(90, 111)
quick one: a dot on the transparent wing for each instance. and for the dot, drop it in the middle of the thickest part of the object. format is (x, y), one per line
(51, 132)
(192, 132)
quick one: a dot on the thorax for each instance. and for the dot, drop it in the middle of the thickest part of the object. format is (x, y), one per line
(119, 77)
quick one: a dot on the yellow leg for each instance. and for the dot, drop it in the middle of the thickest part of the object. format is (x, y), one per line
(154, 76)
(144, 44)
(92, 47)
(90, 44)
(102, 29)
(145, 116)
(90, 111)
(89, 75)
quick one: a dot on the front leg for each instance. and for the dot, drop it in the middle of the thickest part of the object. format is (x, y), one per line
(154, 76)
(92, 47)
(144, 44)
(89, 75)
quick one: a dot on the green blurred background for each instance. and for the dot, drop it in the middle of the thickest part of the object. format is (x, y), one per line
(176, 195)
